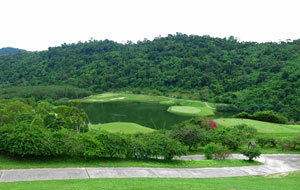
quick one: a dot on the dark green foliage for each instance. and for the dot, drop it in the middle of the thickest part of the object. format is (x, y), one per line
(244, 115)
(266, 141)
(248, 76)
(215, 151)
(23, 139)
(158, 144)
(269, 116)
(252, 153)
(52, 92)
(289, 143)
(91, 147)
(114, 144)
(73, 118)
(66, 142)
(230, 137)
(190, 135)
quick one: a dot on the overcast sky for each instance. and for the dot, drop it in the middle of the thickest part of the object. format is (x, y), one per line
(38, 24)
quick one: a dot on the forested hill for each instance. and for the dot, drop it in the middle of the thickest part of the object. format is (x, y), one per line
(252, 76)
(10, 50)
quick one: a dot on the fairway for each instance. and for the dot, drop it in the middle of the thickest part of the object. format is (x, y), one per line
(122, 127)
(263, 128)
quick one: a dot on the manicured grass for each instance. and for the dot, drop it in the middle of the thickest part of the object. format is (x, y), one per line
(110, 97)
(190, 111)
(123, 127)
(185, 110)
(7, 162)
(272, 182)
(263, 128)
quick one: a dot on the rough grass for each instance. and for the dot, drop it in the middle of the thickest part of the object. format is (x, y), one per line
(8, 162)
(289, 181)
(263, 128)
(122, 127)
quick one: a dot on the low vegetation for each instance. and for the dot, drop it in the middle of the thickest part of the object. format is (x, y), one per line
(10, 162)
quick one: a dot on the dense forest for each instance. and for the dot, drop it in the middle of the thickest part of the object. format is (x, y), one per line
(10, 50)
(247, 76)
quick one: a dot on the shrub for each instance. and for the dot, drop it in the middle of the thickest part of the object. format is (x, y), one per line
(158, 144)
(190, 135)
(269, 116)
(244, 115)
(91, 147)
(114, 144)
(287, 144)
(228, 136)
(246, 132)
(66, 142)
(252, 153)
(216, 151)
(264, 141)
(23, 139)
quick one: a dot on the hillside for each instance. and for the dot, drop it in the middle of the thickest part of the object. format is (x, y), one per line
(250, 76)
(10, 50)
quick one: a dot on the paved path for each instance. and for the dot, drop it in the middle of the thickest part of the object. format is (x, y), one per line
(273, 163)
(209, 106)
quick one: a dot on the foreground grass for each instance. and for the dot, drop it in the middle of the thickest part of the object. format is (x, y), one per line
(263, 128)
(7, 162)
(123, 127)
(272, 182)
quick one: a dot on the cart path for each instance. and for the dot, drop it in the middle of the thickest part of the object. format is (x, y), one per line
(209, 106)
(273, 163)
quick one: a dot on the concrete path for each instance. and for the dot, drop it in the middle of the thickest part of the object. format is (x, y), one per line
(209, 106)
(273, 163)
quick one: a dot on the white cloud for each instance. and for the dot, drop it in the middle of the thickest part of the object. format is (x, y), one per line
(36, 24)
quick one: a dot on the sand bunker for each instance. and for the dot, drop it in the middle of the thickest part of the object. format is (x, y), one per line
(120, 98)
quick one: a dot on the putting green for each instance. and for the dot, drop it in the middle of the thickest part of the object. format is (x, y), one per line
(122, 127)
(185, 110)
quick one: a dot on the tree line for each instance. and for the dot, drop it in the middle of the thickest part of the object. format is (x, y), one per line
(247, 75)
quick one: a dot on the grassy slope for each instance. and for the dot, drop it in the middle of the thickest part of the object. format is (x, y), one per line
(273, 182)
(263, 128)
(7, 162)
(123, 127)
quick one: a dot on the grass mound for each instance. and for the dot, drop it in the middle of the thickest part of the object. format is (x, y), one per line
(123, 127)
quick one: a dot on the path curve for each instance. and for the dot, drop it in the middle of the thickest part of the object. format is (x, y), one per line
(273, 163)
(209, 106)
